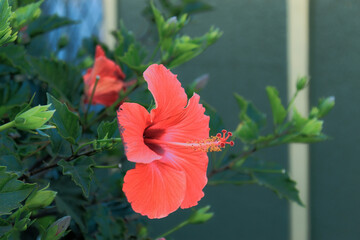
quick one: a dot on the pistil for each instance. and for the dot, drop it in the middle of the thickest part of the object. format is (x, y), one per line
(212, 144)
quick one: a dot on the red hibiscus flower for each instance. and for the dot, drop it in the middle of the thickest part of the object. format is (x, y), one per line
(111, 80)
(168, 145)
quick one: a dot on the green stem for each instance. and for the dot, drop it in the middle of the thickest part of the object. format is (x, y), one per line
(214, 183)
(111, 140)
(111, 166)
(181, 225)
(112, 107)
(268, 170)
(7, 125)
(292, 101)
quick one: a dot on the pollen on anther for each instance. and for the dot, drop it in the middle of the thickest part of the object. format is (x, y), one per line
(214, 143)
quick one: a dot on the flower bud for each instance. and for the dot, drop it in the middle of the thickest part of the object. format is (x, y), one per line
(301, 83)
(33, 118)
(325, 105)
(40, 199)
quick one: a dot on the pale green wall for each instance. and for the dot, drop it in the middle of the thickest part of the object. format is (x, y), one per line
(335, 165)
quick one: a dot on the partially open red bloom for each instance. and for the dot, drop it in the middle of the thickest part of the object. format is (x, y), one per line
(168, 145)
(111, 80)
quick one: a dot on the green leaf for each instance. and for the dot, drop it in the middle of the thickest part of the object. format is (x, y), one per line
(80, 171)
(71, 206)
(23, 224)
(108, 226)
(15, 56)
(201, 215)
(45, 24)
(183, 49)
(247, 131)
(278, 110)
(159, 19)
(312, 127)
(5, 228)
(309, 139)
(59, 146)
(62, 77)
(133, 58)
(12, 191)
(12, 96)
(249, 111)
(27, 14)
(6, 34)
(275, 178)
(108, 130)
(70, 200)
(298, 121)
(125, 39)
(66, 122)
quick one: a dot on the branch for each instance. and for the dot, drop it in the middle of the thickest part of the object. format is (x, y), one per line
(68, 159)
(229, 165)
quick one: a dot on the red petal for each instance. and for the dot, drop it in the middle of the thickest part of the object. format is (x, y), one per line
(104, 67)
(170, 97)
(194, 164)
(99, 51)
(190, 126)
(155, 189)
(107, 92)
(133, 119)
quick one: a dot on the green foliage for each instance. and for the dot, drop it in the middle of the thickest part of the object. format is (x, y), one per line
(201, 216)
(46, 24)
(6, 33)
(108, 130)
(278, 110)
(55, 139)
(58, 229)
(12, 191)
(12, 94)
(61, 77)
(66, 122)
(14, 56)
(80, 171)
(275, 178)
(26, 14)
(34, 118)
(40, 199)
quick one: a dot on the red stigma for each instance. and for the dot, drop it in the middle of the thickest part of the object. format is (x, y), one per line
(223, 138)
(214, 143)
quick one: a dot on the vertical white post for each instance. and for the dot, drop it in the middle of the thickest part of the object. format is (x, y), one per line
(298, 66)
(109, 21)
